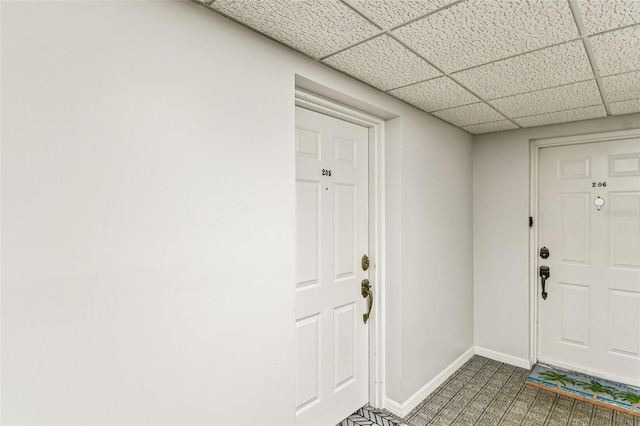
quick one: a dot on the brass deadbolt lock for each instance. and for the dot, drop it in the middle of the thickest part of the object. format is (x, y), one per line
(365, 262)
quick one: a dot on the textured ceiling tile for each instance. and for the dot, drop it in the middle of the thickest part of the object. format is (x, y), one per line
(562, 116)
(625, 107)
(436, 94)
(561, 98)
(315, 27)
(622, 87)
(474, 32)
(383, 63)
(550, 67)
(469, 114)
(603, 15)
(389, 13)
(495, 126)
(617, 51)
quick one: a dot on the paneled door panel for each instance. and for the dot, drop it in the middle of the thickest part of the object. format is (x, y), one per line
(332, 236)
(625, 230)
(308, 383)
(308, 233)
(589, 219)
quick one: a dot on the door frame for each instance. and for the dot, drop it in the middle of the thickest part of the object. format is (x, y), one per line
(536, 145)
(376, 128)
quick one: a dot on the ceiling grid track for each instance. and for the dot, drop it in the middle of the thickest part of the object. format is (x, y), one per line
(207, 5)
(383, 31)
(381, 56)
(562, 110)
(575, 11)
(455, 80)
(517, 55)
(364, 16)
(444, 73)
(530, 91)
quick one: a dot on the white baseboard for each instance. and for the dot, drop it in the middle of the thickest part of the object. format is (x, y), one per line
(502, 357)
(401, 410)
(395, 407)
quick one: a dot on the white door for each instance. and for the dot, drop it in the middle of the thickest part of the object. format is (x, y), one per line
(332, 236)
(590, 320)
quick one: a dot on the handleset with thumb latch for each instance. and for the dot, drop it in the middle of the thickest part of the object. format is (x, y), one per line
(544, 274)
(366, 291)
(544, 271)
(365, 288)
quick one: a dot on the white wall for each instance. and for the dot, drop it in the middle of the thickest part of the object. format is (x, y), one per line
(429, 252)
(436, 254)
(147, 218)
(501, 194)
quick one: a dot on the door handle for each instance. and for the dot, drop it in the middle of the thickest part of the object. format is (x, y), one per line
(544, 274)
(366, 291)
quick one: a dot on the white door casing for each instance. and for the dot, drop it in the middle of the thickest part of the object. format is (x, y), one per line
(332, 236)
(590, 321)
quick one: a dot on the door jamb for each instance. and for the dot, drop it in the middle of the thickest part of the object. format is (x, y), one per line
(376, 127)
(536, 145)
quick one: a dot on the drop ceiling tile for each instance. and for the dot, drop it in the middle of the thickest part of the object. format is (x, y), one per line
(383, 63)
(562, 116)
(315, 27)
(436, 94)
(495, 126)
(469, 114)
(622, 86)
(625, 107)
(561, 98)
(475, 32)
(554, 66)
(389, 13)
(603, 15)
(618, 51)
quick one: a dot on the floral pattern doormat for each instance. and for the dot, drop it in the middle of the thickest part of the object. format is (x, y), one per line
(606, 393)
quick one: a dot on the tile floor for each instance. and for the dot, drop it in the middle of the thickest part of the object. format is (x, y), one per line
(367, 416)
(487, 392)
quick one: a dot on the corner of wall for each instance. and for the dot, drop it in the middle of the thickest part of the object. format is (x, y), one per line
(393, 303)
(402, 409)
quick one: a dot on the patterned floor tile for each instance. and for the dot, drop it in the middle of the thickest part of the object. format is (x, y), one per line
(367, 416)
(488, 393)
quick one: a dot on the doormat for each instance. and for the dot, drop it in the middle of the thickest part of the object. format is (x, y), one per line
(605, 393)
